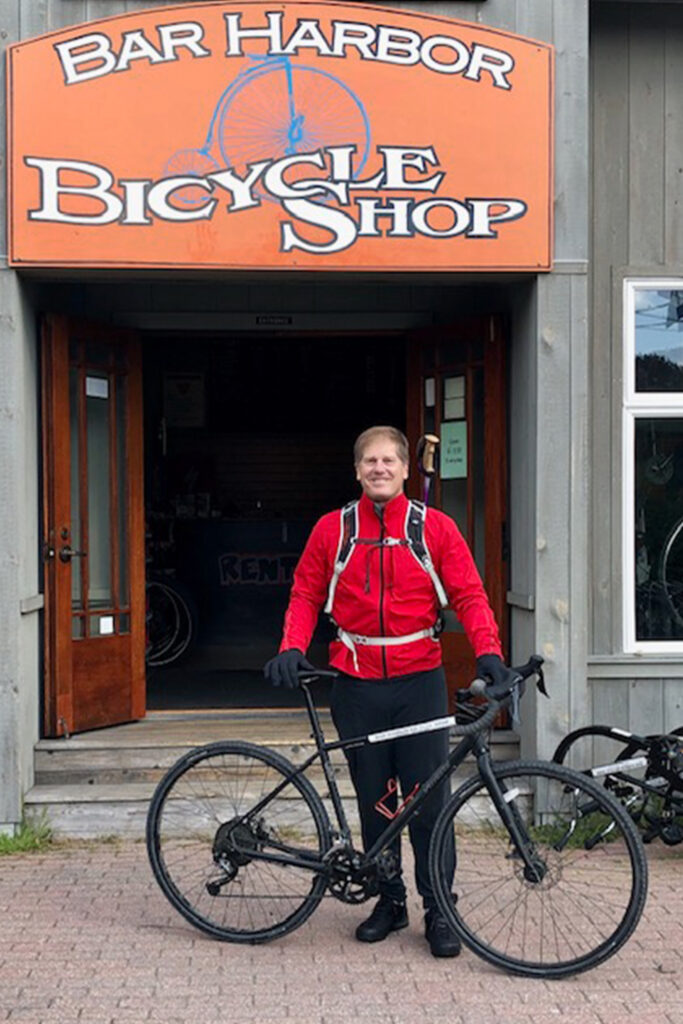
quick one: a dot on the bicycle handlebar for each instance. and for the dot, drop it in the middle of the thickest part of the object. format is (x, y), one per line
(497, 696)
(310, 675)
(500, 695)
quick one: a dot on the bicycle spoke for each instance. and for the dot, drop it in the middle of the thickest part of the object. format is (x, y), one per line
(573, 903)
(205, 841)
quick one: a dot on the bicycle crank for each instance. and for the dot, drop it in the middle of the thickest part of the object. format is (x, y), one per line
(347, 880)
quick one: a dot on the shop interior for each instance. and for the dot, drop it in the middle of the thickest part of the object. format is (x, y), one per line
(248, 440)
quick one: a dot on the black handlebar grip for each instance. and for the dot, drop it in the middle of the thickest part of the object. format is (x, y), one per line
(478, 687)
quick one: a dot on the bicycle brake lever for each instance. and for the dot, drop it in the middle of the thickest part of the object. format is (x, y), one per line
(514, 707)
(540, 683)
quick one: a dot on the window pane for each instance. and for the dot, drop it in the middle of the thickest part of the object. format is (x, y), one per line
(122, 486)
(659, 529)
(659, 339)
(430, 395)
(99, 492)
(75, 539)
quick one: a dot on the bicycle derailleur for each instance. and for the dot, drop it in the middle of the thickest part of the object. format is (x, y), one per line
(233, 846)
(352, 880)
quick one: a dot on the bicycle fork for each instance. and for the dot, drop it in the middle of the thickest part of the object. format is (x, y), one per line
(535, 868)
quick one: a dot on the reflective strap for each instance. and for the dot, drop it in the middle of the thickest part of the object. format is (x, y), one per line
(387, 641)
(338, 566)
(350, 640)
(438, 585)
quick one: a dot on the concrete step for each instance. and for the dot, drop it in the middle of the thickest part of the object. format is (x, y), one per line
(103, 811)
(79, 761)
(100, 783)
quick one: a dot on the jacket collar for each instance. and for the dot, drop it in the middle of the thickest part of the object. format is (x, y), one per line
(394, 510)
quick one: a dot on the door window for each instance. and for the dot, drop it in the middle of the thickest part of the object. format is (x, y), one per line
(98, 534)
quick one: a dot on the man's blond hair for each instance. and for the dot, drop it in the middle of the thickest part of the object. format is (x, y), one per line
(372, 434)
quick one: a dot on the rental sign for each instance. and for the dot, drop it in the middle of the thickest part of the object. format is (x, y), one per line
(311, 135)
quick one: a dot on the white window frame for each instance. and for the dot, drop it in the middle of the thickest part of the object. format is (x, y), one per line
(639, 405)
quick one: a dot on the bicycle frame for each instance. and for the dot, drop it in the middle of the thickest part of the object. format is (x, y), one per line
(476, 743)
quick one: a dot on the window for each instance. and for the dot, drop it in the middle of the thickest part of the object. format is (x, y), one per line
(653, 466)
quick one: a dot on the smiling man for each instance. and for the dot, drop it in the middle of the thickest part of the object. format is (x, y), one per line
(383, 568)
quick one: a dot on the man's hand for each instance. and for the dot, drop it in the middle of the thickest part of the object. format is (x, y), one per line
(495, 673)
(284, 668)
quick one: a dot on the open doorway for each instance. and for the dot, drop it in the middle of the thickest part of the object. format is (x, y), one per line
(247, 442)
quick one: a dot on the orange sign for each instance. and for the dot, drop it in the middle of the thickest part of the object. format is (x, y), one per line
(312, 135)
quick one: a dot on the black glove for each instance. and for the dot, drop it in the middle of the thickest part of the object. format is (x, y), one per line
(283, 669)
(495, 673)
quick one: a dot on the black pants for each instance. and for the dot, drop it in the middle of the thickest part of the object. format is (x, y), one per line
(361, 706)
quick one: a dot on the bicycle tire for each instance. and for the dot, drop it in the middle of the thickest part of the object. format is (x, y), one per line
(180, 641)
(588, 902)
(673, 589)
(163, 621)
(640, 803)
(191, 819)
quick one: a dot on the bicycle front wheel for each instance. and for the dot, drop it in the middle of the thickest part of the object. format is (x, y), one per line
(272, 113)
(210, 827)
(587, 890)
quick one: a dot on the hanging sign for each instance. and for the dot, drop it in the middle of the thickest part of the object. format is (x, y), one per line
(311, 135)
(454, 450)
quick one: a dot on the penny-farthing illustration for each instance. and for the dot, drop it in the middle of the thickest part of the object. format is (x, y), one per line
(273, 109)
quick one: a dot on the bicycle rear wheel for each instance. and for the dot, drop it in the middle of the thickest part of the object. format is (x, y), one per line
(206, 843)
(171, 622)
(590, 887)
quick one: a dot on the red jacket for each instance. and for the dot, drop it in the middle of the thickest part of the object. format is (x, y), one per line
(383, 591)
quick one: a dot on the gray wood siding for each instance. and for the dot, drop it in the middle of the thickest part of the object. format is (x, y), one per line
(637, 195)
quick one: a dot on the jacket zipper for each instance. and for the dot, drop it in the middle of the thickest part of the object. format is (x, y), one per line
(385, 669)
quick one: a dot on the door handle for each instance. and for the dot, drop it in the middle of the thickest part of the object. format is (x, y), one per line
(67, 553)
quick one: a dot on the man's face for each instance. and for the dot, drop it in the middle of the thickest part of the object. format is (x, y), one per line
(380, 471)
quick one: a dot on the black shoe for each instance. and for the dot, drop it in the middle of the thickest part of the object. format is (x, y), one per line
(388, 916)
(441, 938)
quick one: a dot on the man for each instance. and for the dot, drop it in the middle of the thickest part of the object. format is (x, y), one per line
(385, 605)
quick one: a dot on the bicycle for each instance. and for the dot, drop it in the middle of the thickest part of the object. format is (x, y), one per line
(272, 109)
(671, 572)
(551, 877)
(171, 621)
(646, 776)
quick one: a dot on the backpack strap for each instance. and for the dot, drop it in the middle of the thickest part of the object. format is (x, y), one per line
(348, 533)
(415, 530)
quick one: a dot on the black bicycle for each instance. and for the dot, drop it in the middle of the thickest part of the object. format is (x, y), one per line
(644, 772)
(171, 621)
(551, 874)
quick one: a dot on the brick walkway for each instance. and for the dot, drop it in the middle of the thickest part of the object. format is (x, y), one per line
(87, 936)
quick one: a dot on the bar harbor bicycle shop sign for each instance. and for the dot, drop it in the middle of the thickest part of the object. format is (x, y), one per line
(312, 135)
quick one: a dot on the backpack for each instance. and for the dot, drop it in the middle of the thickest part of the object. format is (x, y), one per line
(413, 539)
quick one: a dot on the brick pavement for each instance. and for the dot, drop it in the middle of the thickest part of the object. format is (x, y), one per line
(87, 936)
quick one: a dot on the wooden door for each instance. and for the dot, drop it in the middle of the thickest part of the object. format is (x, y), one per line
(456, 389)
(93, 522)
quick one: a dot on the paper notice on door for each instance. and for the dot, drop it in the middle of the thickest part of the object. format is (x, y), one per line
(96, 387)
(454, 450)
